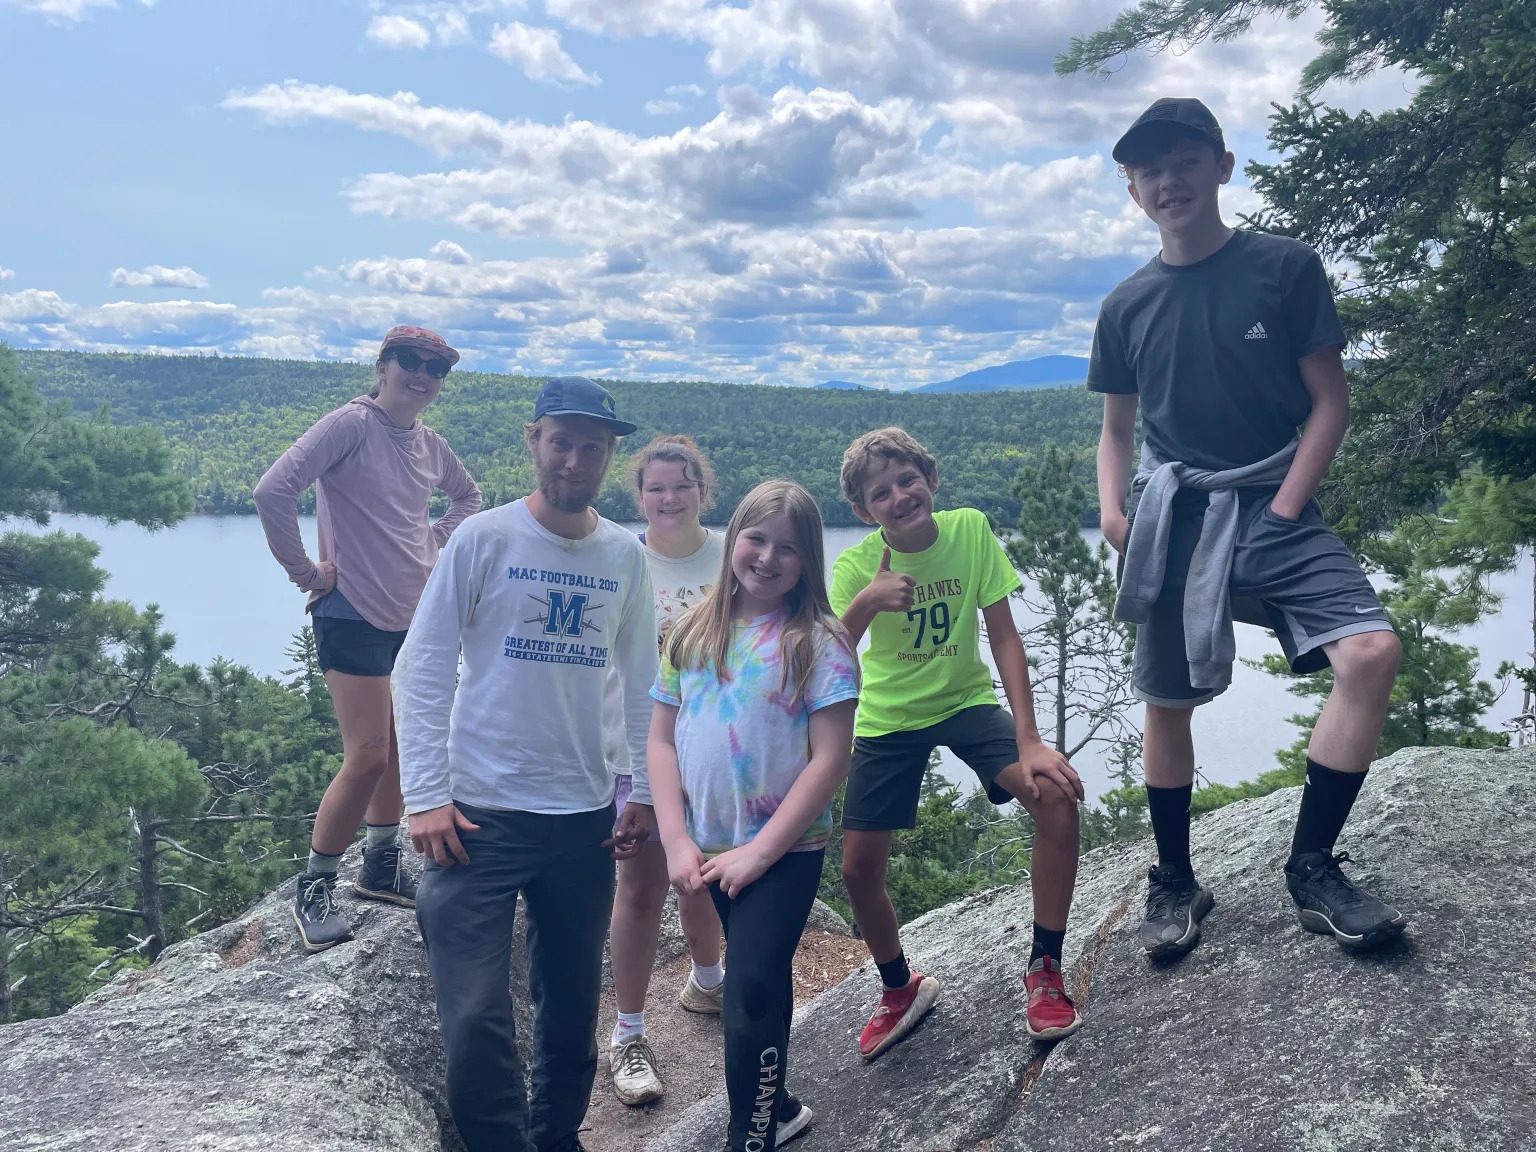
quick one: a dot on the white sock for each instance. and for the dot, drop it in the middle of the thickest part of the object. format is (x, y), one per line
(709, 978)
(381, 835)
(631, 1026)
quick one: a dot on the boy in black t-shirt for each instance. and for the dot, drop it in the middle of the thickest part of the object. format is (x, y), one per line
(1228, 341)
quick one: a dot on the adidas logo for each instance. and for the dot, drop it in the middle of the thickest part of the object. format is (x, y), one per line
(1257, 333)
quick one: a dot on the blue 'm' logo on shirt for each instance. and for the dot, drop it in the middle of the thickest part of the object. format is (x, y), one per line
(565, 612)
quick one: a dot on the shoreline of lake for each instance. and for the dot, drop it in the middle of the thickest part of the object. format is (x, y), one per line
(222, 594)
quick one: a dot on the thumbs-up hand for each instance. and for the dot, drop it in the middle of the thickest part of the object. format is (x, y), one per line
(890, 591)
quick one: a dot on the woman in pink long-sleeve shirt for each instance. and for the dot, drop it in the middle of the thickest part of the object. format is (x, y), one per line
(374, 466)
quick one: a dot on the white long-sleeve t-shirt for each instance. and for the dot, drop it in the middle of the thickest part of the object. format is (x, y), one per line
(539, 620)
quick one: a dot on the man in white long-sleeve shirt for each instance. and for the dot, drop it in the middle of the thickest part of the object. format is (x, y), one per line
(504, 777)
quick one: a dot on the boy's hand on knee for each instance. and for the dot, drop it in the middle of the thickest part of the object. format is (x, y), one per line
(435, 833)
(1044, 767)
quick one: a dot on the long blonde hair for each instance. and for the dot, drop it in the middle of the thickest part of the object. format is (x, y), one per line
(702, 638)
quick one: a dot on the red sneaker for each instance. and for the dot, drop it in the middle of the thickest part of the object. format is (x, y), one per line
(1051, 1013)
(899, 1012)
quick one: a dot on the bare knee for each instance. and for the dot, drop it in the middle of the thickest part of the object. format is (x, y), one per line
(1054, 812)
(1368, 660)
(367, 762)
(1168, 721)
(641, 883)
(863, 871)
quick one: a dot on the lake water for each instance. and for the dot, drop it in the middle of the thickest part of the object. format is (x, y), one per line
(222, 594)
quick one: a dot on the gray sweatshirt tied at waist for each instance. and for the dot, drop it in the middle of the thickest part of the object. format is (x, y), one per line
(1209, 643)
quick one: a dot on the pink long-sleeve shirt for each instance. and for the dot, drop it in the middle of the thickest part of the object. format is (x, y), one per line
(373, 486)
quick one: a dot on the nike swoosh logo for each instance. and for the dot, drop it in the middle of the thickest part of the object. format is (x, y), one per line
(1367, 611)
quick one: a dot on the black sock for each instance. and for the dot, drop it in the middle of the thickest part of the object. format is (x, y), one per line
(1169, 809)
(895, 973)
(1325, 803)
(1047, 943)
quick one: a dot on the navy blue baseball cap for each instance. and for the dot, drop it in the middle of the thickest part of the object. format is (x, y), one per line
(578, 396)
(1164, 122)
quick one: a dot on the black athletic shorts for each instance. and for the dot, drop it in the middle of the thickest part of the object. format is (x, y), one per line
(887, 777)
(1295, 577)
(355, 647)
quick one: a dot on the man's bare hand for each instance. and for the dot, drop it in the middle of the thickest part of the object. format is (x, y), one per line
(435, 833)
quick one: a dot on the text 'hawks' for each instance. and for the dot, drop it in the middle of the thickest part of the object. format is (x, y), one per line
(935, 589)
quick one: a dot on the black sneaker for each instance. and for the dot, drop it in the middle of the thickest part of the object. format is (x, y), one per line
(382, 878)
(794, 1119)
(1176, 903)
(320, 924)
(1329, 904)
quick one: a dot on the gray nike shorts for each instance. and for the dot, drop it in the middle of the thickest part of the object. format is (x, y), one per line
(1294, 577)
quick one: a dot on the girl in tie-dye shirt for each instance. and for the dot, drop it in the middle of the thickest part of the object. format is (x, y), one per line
(751, 737)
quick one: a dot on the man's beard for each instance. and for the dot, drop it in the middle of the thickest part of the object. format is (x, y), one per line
(568, 496)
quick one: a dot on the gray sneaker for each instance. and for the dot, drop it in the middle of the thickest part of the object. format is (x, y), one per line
(1176, 903)
(382, 878)
(695, 998)
(321, 925)
(636, 1075)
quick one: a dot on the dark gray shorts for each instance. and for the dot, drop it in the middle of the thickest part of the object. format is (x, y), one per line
(886, 781)
(1294, 577)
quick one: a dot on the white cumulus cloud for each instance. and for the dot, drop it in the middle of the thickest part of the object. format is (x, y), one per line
(7, 274)
(662, 107)
(538, 53)
(398, 32)
(66, 11)
(450, 253)
(158, 276)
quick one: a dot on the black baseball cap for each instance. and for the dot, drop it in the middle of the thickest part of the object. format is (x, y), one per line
(1164, 122)
(578, 396)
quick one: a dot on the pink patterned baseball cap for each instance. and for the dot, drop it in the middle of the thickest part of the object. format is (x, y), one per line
(410, 336)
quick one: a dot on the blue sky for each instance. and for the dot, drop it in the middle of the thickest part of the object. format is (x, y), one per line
(784, 191)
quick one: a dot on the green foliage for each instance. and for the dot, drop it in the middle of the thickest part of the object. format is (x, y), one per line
(50, 460)
(1079, 654)
(228, 418)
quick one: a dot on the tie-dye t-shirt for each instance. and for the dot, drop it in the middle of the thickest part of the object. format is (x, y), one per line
(741, 745)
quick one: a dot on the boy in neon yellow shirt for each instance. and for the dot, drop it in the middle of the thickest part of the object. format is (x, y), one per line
(916, 587)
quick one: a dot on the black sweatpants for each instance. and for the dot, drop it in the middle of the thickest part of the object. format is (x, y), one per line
(466, 913)
(762, 930)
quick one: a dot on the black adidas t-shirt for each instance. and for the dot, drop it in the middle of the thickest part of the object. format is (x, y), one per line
(1211, 348)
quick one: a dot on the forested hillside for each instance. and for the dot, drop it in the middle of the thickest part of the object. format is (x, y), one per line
(227, 418)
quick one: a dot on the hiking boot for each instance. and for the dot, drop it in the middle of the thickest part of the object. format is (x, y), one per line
(1051, 1013)
(636, 1079)
(1328, 903)
(321, 925)
(694, 998)
(899, 1011)
(794, 1119)
(1176, 903)
(382, 878)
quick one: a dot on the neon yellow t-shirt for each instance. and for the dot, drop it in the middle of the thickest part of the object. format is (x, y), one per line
(925, 665)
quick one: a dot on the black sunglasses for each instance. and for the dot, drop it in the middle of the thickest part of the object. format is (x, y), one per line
(437, 367)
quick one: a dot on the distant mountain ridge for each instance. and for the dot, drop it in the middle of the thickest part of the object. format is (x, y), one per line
(1016, 375)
